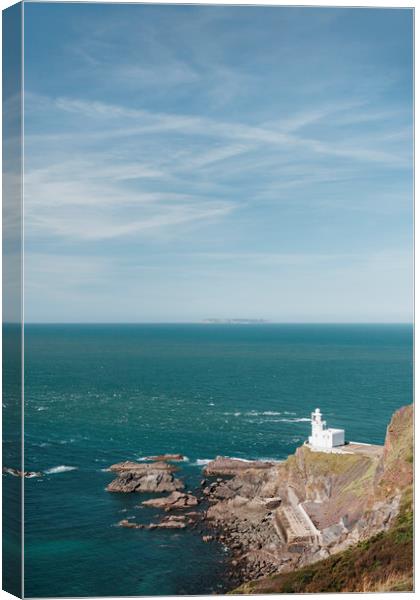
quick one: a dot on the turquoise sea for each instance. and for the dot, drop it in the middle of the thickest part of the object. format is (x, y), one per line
(98, 394)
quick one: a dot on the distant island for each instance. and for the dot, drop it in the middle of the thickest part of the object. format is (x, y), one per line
(235, 321)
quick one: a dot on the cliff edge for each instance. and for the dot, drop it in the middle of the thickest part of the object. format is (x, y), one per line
(314, 521)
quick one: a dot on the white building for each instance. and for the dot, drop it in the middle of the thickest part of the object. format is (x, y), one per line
(323, 438)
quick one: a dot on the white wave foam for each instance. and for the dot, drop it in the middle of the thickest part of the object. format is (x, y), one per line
(148, 459)
(42, 408)
(202, 461)
(266, 413)
(296, 420)
(59, 469)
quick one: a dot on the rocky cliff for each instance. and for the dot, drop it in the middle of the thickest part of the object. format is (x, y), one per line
(318, 521)
(313, 505)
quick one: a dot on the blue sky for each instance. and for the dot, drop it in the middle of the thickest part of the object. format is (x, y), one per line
(187, 162)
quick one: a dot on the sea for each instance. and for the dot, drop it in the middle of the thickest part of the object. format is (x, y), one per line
(99, 394)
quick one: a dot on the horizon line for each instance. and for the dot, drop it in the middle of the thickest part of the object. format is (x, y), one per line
(204, 322)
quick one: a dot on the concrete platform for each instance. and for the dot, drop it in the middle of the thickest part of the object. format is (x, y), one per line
(372, 450)
(365, 449)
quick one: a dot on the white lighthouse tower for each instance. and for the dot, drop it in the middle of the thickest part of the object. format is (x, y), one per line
(323, 438)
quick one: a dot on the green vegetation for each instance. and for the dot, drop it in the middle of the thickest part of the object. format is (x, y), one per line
(359, 485)
(323, 464)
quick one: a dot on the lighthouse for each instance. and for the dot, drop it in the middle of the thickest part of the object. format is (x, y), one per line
(323, 438)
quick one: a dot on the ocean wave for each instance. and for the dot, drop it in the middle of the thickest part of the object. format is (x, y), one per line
(42, 408)
(59, 469)
(285, 420)
(202, 461)
(148, 459)
(270, 413)
(256, 413)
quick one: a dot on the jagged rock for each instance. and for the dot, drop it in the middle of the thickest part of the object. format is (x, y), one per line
(193, 513)
(232, 466)
(272, 503)
(141, 467)
(172, 523)
(167, 523)
(166, 457)
(175, 500)
(130, 524)
(135, 477)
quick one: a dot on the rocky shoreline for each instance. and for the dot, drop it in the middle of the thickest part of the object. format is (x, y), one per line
(274, 517)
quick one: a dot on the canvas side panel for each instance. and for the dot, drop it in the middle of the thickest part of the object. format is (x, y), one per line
(12, 300)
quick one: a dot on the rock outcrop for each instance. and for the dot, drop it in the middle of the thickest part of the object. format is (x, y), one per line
(144, 477)
(176, 500)
(142, 467)
(232, 466)
(172, 522)
(168, 457)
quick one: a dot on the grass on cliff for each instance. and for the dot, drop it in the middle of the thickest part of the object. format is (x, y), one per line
(384, 562)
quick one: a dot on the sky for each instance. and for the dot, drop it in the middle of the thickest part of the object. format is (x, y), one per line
(194, 162)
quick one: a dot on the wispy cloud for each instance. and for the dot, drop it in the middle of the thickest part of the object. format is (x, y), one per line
(260, 149)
